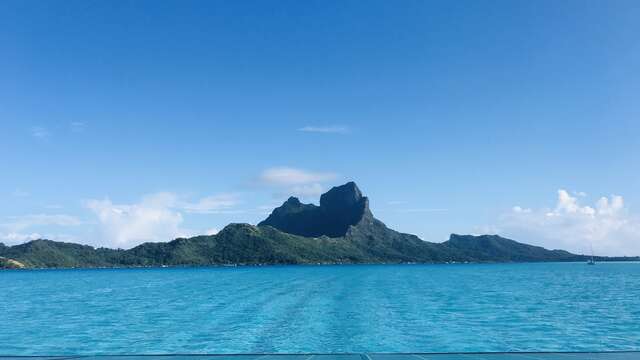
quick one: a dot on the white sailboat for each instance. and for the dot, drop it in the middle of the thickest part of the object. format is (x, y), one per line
(591, 261)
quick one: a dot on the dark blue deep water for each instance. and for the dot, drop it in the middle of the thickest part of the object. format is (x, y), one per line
(376, 308)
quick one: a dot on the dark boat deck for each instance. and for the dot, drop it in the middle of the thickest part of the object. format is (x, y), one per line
(622, 355)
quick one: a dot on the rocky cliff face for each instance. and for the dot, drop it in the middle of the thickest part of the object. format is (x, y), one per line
(341, 207)
(344, 214)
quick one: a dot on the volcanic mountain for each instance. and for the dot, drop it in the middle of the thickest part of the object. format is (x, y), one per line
(340, 208)
(341, 229)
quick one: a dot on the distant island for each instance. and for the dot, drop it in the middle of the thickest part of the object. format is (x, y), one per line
(341, 230)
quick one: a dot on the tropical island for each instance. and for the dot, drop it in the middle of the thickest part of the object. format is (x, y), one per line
(341, 230)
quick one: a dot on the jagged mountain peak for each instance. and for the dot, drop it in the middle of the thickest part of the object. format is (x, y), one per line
(343, 196)
(292, 200)
(340, 207)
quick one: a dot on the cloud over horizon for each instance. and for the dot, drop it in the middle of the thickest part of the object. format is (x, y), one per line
(127, 225)
(156, 217)
(17, 229)
(607, 225)
(291, 181)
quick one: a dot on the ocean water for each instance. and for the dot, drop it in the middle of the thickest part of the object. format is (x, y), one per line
(290, 309)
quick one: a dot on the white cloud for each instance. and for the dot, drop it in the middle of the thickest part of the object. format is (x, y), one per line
(157, 217)
(40, 132)
(607, 226)
(332, 129)
(211, 204)
(19, 223)
(127, 225)
(285, 176)
(291, 181)
(18, 229)
(17, 238)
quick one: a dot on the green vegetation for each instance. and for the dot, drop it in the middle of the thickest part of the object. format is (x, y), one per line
(284, 239)
(10, 264)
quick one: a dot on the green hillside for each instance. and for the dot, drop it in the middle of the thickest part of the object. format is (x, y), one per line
(341, 230)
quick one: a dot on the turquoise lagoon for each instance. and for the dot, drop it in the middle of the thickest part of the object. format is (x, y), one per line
(326, 309)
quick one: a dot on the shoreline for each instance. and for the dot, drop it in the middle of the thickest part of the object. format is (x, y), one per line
(262, 265)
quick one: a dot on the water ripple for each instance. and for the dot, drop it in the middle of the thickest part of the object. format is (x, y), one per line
(391, 308)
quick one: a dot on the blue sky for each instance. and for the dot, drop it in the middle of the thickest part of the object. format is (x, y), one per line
(123, 122)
